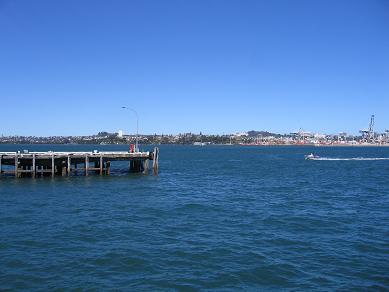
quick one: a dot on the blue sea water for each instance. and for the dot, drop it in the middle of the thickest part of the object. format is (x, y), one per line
(217, 217)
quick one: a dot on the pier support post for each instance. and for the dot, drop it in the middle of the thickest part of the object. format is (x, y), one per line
(69, 165)
(135, 165)
(16, 165)
(108, 168)
(1, 164)
(86, 164)
(101, 164)
(155, 160)
(138, 165)
(52, 166)
(33, 166)
(63, 168)
(146, 166)
(21, 172)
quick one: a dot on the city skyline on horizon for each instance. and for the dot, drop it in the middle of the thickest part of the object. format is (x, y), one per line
(377, 129)
(196, 66)
(121, 132)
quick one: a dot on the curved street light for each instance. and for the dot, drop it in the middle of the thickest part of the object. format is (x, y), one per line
(137, 125)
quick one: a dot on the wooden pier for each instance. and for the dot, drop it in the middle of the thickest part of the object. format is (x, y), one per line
(33, 164)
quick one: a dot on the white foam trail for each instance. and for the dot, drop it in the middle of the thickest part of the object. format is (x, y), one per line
(351, 159)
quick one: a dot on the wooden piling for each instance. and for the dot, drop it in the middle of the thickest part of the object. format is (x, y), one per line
(155, 160)
(101, 164)
(139, 166)
(108, 168)
(146, 166)
(52, 166)
(69, 169)
(64, 169)
(33, 166)
(16, 165)
(86, 164)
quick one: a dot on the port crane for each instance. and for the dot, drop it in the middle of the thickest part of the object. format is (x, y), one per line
(368, 135)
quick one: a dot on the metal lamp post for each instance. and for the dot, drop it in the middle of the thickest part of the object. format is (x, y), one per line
(137, 125)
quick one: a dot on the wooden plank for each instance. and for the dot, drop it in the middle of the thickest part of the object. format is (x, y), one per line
(8, 171)
(24, 171)
(117, 154)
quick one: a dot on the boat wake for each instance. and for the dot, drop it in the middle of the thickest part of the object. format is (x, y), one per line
(350, 159)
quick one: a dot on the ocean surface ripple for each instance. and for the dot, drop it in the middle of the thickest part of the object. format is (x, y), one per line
(217, 217)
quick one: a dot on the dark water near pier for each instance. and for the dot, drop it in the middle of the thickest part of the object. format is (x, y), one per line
(216, 217)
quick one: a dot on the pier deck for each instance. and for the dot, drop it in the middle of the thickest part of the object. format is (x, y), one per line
(51, 163)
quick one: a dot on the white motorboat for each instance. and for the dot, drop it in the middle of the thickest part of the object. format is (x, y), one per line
(311, 156)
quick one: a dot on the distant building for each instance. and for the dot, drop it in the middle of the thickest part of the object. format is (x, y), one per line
(120, 134)
(241, 134)
(319, 136)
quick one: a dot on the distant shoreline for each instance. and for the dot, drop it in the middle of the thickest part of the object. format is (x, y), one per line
(356, 145)
(315, 145)
(200, 146)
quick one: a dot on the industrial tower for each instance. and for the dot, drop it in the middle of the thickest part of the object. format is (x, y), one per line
(368, 135)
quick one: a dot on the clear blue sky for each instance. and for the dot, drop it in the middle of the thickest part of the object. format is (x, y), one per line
(67, 67)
